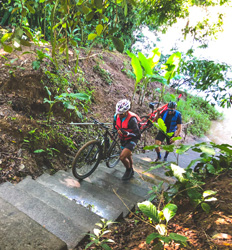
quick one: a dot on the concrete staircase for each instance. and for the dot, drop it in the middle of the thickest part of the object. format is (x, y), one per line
(58, 211)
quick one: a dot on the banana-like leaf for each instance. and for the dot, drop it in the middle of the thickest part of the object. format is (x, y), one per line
(137, 69)
(155, 58)
(162, 125)
(145, 63)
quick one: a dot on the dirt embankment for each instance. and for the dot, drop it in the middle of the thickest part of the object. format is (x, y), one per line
(24, 130)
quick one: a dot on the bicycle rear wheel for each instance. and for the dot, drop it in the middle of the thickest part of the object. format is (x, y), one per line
(113, 155)
(87, 159)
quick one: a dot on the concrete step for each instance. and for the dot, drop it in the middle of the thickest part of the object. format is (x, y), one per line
(145, 180)
(124, 189)
(54, 221)
(98, 200)
(19, 232)
(77, 213)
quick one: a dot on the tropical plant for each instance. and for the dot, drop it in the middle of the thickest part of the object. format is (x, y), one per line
(208, 76)
(161, 219)
(69, 101)
(97, 238)
(213, 160)
(143, 69)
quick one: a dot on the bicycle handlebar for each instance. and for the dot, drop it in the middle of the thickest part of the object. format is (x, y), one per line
(127, 133)
(99, 123)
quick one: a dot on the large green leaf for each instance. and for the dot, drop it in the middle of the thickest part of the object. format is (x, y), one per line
(149, 210)
(119, 45)
(162, 125)
(137, 69)
(145, 64)
(169, 211)
(153, 61)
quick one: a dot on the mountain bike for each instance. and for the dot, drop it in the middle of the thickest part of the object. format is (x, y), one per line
(147, 120)
(105, 147)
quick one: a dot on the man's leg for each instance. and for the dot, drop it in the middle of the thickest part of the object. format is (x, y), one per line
(157, 142)
(125, 156)
(169, 142)
(126, 159)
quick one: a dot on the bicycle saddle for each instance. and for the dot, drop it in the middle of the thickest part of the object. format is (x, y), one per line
(152, 105)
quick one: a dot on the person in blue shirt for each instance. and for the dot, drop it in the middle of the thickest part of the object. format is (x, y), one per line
(173, 120)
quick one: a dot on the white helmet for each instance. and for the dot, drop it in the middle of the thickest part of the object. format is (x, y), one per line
(122, 106)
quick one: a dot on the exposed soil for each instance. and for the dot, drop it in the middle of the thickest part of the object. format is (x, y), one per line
(23, 125)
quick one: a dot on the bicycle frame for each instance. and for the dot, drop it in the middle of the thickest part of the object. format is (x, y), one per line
(154, 115)
(105, 144)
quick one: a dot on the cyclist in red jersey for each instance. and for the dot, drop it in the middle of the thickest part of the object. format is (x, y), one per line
(126, 123)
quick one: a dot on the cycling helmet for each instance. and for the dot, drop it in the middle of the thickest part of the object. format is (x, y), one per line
(122, 106)
(172, 105)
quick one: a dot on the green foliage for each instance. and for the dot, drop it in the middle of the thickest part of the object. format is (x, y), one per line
(207, 76)
(154, 192)
(213, 160)
(69, 101)
(97, 238)
(143, 70)
(197, 110)
(105, 75)
(160, 15)
(158, 218)
(11, 67)
(49, 142)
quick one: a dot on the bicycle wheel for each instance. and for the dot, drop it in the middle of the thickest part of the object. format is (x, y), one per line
(87, 159)
(146, 124)
(113, 155)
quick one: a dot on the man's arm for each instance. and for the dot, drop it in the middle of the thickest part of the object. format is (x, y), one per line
(178, 131)
(179, 125)
(133, 124)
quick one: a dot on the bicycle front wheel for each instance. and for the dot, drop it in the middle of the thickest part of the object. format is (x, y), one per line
(113, 155)
(87, 159)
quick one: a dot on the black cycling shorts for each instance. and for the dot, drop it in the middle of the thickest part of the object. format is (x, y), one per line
(129, 144)
(161, 137)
